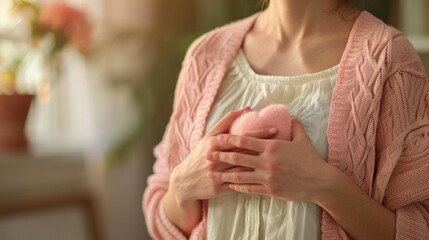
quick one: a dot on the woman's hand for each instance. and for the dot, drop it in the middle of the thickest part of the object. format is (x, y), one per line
(294, 171)
(189, 179)
(287, 170)
(189, 182)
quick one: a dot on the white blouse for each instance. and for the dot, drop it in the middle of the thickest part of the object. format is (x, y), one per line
(308, 98)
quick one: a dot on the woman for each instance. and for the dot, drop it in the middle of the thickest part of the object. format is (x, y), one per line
(359, 152)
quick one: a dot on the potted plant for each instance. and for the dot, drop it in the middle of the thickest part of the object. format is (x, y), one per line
(36, 41)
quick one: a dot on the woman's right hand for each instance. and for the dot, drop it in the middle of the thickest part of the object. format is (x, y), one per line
(189, 183)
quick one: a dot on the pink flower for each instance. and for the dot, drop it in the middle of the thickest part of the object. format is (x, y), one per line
(59, 17)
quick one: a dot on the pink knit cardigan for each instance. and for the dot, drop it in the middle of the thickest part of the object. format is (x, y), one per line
(378, 128)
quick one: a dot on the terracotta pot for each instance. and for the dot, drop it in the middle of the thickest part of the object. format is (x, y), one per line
(13, 115)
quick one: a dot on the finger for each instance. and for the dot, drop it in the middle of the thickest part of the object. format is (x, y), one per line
(215, 145)
(219, 166)
(226, 167)
(264, 133)
(235, 177)
(245, 151)
(236, 159)
(224, 189)
(224, 124)
(249, 188)
(242, 142)
(298, 130)
(237, 169)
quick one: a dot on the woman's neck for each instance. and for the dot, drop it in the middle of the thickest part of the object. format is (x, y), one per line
(294, 37)
(296, 20)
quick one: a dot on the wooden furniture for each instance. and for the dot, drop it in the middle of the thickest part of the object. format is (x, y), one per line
(44, 197)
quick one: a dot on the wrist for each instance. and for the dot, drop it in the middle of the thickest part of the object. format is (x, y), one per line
(179, 200)
(329, 187)
(178, 191)
(185, 215)
(340, 197)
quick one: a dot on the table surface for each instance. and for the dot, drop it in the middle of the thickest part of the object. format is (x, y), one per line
(23, 175)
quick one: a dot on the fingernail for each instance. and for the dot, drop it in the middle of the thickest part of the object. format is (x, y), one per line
(219, 137)
(272, 131)
(208, 156)
(210, 174)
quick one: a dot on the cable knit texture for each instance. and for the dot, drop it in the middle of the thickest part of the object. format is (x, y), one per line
(378, 128)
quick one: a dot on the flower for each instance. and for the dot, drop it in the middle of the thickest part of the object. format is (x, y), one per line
(62, 19)
(44, 30)
(67, 25)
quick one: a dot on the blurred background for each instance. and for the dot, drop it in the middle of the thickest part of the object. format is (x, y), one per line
(86, 89)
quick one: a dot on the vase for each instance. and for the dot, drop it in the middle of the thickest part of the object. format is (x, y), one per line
(13, 114)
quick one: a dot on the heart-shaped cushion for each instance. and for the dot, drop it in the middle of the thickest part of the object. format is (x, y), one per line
(274, 116)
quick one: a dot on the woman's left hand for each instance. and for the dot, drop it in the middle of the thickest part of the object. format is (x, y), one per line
(290, 170)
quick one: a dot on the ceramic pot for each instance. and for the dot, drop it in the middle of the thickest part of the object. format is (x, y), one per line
(13, 115)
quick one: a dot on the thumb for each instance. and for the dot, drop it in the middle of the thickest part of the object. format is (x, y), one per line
(225, 123)
(298, 131)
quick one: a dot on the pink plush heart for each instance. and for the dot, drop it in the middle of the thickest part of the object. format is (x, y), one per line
(275, 115)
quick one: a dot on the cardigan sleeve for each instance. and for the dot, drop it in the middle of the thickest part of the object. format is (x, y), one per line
(408, 190)
(405, 129)
(173, 149)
